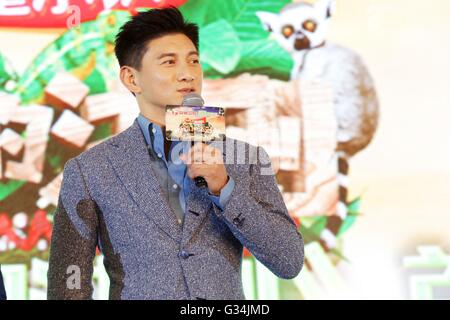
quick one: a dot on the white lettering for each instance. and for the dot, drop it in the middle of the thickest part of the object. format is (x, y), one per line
(14, 8)
(74, 280)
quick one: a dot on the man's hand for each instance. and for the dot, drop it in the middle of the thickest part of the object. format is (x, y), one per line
(207, 162)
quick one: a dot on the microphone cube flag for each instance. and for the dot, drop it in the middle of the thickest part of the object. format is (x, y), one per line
(195, 123)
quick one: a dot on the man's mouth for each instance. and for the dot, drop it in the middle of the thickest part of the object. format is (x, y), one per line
(186, 90)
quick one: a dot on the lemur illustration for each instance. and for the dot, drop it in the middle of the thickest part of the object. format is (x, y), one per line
(301, 28)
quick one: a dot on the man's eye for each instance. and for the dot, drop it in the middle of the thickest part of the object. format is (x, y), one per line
(169, 62)
(195, 61)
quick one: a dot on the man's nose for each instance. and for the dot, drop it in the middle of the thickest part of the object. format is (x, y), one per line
(186, 77)
(184, 74)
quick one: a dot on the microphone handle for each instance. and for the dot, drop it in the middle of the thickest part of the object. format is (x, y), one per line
(200, 182)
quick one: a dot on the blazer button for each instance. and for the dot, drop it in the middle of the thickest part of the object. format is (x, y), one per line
(237, 221)
(184, 254)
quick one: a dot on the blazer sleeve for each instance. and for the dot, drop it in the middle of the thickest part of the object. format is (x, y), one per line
(258, 218)
(2, 287)
(74, 238)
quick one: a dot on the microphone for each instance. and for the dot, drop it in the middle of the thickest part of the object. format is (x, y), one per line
(195, 100)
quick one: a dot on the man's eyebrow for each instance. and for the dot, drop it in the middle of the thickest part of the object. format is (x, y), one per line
(168, 54)
(171, 54)
(193, 52)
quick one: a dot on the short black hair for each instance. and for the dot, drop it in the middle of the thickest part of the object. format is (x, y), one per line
(133, 36)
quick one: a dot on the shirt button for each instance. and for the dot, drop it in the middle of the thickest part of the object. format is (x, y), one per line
(175, 186)
(154, 130)
(159, 155)
(184, 254)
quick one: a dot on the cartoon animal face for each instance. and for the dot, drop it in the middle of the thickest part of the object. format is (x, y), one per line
(299, 26)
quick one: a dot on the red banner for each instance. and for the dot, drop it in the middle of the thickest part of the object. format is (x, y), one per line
(67, 13)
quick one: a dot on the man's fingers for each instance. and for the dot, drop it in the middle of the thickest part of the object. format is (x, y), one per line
(192, 157)
(208, 154)
(201, 153)
(194, 170)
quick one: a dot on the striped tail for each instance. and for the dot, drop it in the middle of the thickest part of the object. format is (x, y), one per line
(328, 237)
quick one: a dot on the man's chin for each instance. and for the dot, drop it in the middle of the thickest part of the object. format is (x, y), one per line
(174, 102)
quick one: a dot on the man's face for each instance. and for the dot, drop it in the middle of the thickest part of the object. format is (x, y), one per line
(170, 69)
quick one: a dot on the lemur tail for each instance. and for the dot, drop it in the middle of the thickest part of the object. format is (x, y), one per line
(328, 237)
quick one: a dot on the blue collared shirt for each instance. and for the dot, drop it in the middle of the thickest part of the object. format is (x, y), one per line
(172, 173)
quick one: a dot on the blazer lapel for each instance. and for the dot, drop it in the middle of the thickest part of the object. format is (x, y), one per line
(130, 158)
(198, 204)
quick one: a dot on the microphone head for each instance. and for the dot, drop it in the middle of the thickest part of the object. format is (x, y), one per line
(193, 100)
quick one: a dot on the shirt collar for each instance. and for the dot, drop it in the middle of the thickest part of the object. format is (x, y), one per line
(146, 125)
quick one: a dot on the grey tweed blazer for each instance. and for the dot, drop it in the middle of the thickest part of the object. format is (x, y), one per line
(110, 198)
(2, 287)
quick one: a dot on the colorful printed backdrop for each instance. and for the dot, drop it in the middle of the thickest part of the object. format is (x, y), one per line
(356, 138)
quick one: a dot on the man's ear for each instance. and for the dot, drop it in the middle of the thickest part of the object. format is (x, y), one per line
(326, 8)
(128, 76)
(269, 20)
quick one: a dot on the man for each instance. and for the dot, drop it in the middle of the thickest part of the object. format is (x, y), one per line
(163, 237)
(2, 288)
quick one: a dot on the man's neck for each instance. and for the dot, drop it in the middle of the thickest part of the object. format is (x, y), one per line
(155, 115)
